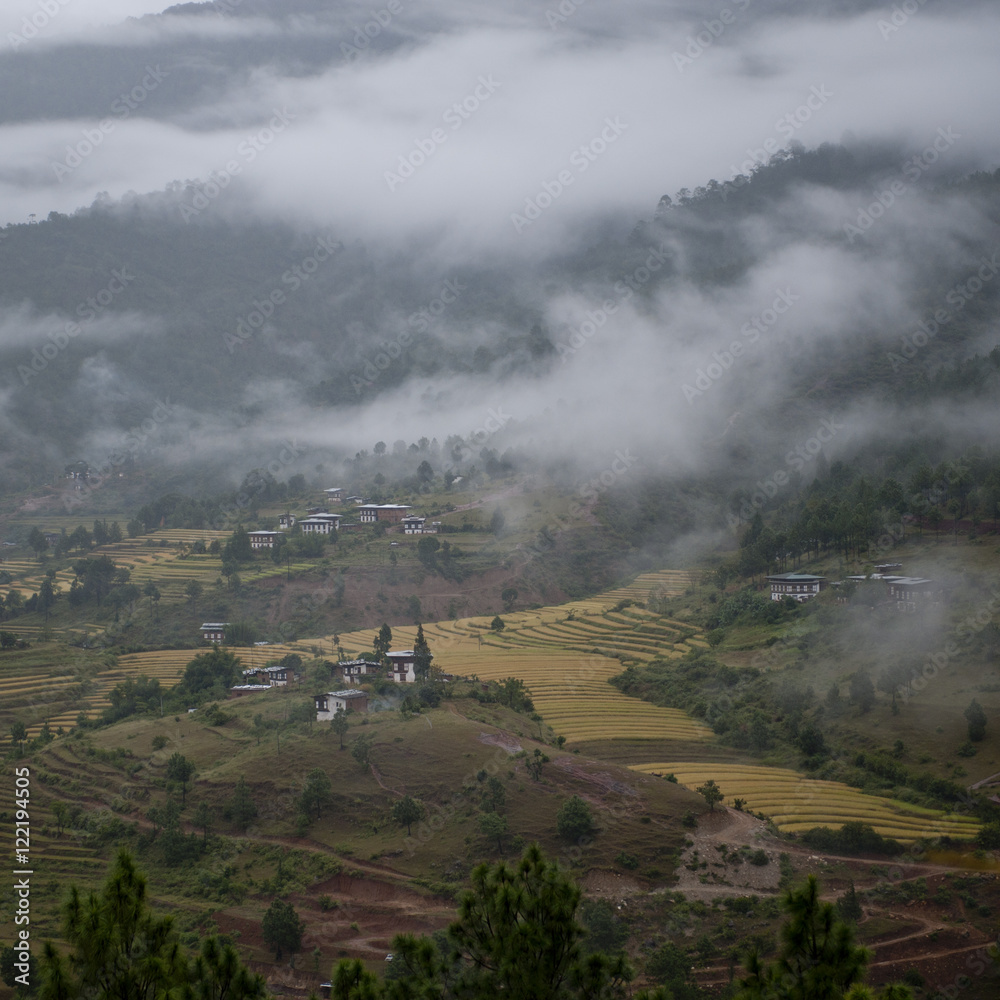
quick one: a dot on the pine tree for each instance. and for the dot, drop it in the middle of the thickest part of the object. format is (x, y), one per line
(406, 812)
(422, 655)
(382, 642)
(241, 808)
(976, 718)
(849, 906)
(120, 949)
(517, 936)
(340, 725)
(818, 960)
(711, 793)
(282, 928)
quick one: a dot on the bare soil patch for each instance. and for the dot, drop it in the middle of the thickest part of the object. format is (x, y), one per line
(706, 872)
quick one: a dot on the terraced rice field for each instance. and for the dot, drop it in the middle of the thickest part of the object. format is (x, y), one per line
(51, 853)
(588, 627)
(796, 803)
(669, 582)
(543, 648)
(170, 566)
(573, 696)
(28, 573)
(166, 666)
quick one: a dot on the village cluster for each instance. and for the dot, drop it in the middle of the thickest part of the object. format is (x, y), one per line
(908, 593)
(320, 521)
(401, 669)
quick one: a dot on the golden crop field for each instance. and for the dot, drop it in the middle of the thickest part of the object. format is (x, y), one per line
(796, 803)
(552, 654)
(588, 627)
(669, 582)
(170, 566)
(166, 666)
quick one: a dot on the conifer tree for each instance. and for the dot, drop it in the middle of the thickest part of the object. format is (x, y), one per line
(422, 655)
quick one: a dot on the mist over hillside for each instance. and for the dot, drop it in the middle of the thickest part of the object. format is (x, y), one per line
(256, 226)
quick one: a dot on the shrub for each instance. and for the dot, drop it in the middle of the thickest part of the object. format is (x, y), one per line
(988, 836)
(854, 837)
(575, 819)
(759, 857)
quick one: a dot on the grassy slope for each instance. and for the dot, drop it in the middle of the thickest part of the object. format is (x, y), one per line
(435, 757)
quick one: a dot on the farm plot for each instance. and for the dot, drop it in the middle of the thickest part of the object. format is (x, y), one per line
(583, 626)
(557, 652)
(669, 582)
(573, 696)
(796, 803)
(570, 692)
(27, 575)
(166, 666)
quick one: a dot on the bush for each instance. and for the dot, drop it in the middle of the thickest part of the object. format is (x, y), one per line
(852, 838)
(759, 857)
(629, 861)
(575, 819)
(988, 836)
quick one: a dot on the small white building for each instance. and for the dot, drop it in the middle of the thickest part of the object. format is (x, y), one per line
(335, 494)
(214, 631)
(329, 704)
(355, 671)
(799, 586)
(264, 539)
(277, 676)
(910, 593)
(413, 524)
(286, 520)
(239, 690)
(392, 513)
(320, 524)
(402, 666)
